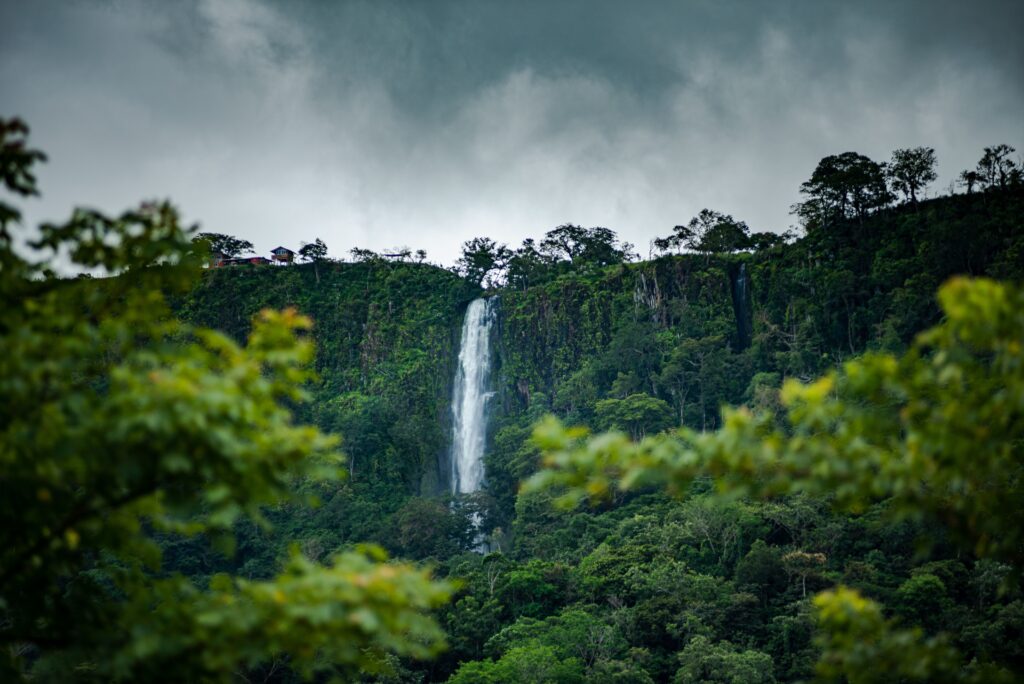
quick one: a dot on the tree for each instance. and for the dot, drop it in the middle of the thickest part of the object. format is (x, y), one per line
(402, 253)
(911, 170)
(681, 237)
(727, 235)
(574, 632)
(430, 528)
(712, 231)
(470, 623)
(527, 266)
(765, 240)
(696, 369)
(847, 185)
(120, 425)
(637, 414)
(584, 246)
(762, 568)
(225, 245)
(566, 242)
(314, 252)
(937, 433)
(705, 662)
(995, 168)
(968, 179)
(708, 232)
(482, 262)
(361, 255)
(922, 600)
(858, 645)
(803, 565)
(533, 664)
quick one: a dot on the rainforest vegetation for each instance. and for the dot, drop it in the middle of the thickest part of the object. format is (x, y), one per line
(205, 472)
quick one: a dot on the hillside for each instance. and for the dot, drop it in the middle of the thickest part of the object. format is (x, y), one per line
(641, 347)
(385, 335)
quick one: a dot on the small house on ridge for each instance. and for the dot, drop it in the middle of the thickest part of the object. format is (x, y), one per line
(282, 255)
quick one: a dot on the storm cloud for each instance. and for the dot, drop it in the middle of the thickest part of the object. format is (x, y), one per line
(379, 124)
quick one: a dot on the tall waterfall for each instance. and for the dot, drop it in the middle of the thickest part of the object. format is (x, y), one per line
(469, 398)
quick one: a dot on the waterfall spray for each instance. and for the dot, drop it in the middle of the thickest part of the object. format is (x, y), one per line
(470, 396)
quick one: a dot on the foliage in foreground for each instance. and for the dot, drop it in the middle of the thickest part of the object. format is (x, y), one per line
(937, 432)
(120, 426)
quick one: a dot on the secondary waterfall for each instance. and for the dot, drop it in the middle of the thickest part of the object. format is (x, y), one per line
(740, 285)
(470, 395)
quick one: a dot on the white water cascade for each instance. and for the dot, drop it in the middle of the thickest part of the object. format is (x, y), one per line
(469, 398)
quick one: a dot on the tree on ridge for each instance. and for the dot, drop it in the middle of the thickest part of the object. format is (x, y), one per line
(911, 170)
(227, 246)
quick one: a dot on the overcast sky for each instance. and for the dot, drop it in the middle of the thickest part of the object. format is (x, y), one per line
(378, 124)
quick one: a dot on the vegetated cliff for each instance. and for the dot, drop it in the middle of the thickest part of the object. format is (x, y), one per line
(792, 309)
(649, 345)
(639, 347)
(386, 335)
(642, 346)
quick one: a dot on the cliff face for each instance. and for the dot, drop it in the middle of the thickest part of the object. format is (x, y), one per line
(640, 346)
(573, 341)
(717, 321)
(386, 337)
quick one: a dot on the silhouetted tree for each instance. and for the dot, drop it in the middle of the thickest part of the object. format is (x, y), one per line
(767, 240)
(591, 246)
(566, 242)
(225, 245)
(483, 261)
(968, 179)
(681, 237)
(314, 252)
(995, 168)
(911, 170)
(725, 235)
(847, 185)
(359, 254)
(708, 232)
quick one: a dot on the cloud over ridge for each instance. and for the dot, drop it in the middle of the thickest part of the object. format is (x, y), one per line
(385, 123)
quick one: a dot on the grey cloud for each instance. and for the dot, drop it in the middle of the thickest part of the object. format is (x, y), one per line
(386, 123)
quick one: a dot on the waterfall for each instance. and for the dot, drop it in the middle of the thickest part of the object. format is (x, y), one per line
(741, 288)
(740, 285)
(469, 397)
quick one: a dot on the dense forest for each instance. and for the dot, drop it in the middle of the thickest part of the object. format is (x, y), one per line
(631, 579)
(641, 588)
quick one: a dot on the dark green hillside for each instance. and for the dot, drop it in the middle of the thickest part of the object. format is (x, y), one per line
(660, 590)
(649, 345)
(639, 346)
(385, 334)
(834, 293)
(677, 329)
(644, 347)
